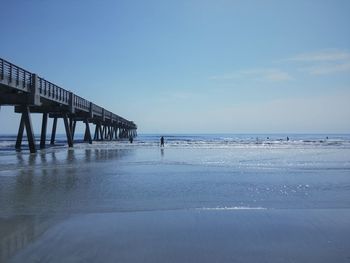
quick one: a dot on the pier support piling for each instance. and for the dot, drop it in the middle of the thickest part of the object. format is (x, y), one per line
(20, 134)
(68, 131)
(73, 129)
(27, 123)
(96, 133)
(87, 136)
(43, 131)
(116, 133)
(53, 133)
(101, 132)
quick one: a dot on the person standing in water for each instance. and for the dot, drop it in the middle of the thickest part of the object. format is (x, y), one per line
(162, 141)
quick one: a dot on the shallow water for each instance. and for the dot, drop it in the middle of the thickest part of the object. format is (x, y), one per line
(44, 196)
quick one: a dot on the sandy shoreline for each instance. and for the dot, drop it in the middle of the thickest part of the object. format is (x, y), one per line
(175, 205)
(273, 235)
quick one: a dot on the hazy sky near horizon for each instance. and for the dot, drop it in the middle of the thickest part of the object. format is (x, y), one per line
(194, 66)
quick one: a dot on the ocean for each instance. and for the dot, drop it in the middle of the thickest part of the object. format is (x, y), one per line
(201, 198)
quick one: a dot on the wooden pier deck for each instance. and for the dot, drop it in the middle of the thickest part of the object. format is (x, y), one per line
(30, 93)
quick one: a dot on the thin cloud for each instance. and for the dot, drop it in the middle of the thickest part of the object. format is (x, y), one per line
(322, 56)
(272, 75)
(181, 95)
(323, 62)
(175, 97)
(277, 75)
(327, 69)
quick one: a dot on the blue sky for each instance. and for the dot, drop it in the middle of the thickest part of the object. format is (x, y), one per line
(191, 66)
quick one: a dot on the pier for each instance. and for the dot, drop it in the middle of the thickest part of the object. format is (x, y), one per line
(30, 93)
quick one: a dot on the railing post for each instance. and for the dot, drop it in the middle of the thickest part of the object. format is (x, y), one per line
(90, 111)
(34, 95)
(10, 74)
(71, 102)
(2, 70)
(17, 77)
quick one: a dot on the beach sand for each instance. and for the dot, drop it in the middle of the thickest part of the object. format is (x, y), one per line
(295, 235)
(141, 204)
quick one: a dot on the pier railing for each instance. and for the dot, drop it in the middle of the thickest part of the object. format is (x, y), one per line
(16, 76)
(23, 80)
(81, 103)
(53, 92)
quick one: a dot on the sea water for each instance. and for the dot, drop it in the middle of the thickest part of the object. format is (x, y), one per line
(300, 179)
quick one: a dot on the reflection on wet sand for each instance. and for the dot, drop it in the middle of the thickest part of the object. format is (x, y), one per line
(28, 205)
(19, 231)
(192, 205)
(16, 233)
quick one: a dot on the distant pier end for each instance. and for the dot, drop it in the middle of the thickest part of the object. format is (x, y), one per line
(30, 93)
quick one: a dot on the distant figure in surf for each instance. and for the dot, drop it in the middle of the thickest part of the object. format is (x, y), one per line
(131, 139)
(162, 141)
(287, 138)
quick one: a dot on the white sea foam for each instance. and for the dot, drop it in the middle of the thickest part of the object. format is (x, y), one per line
(231, 208)
(212, 141)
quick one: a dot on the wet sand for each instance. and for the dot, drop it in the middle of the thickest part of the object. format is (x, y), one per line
(137, 204)
(295, 235)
